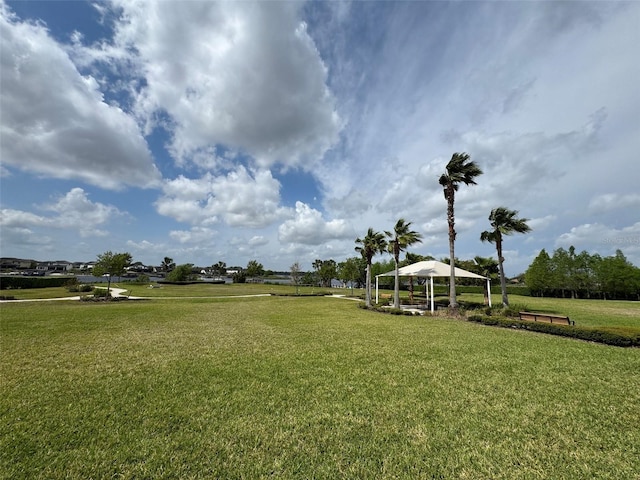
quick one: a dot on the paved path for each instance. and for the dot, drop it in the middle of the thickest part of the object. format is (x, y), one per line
(121, 292)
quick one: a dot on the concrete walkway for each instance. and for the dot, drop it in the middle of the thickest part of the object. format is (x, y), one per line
(121, 293)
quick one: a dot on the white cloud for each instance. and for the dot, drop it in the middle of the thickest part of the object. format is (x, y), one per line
(541, 223)
(257, 241)
(240, 199)
(55, 121)
(197, 235)
(76, 211)
(309, 228)
(73, 211)
(613, 201)
(590, 235)
(242, 74)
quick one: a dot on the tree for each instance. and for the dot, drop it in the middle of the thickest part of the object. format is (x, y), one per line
(349, 270)
(538, 275)
(295, 275)
(111, 264)
(619, 278)
(181, 273)
(254, 269)
(399, 240)
(219, 269)
(504, 222)
(168, 264)
(459, 170)
(369, 246)
(326, 270)
(487, 267)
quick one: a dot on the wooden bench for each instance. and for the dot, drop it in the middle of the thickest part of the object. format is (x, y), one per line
(546, 317)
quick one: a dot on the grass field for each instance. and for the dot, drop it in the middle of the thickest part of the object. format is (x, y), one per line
(305, 387)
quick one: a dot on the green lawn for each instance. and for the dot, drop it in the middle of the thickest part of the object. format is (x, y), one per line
(587, 313)
(311, 387)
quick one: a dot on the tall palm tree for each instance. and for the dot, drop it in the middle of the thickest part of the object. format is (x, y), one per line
(459, 170)
(372, 244)
(504, 222)
(487, 267)
(399, 240)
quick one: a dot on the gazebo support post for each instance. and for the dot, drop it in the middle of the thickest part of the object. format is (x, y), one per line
(431, 282)
(376, 289)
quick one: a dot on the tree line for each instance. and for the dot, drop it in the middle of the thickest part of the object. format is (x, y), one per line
(569, 274)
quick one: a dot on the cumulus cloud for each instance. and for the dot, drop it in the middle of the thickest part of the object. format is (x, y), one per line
(597, 237)
(257, 241)
(614, 201)
(196, 235)
(73, 211)
(56, 122)
(242, 74)
(308, 227)
(240, 198)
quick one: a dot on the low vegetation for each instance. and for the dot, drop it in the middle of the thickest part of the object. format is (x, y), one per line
(304, 388)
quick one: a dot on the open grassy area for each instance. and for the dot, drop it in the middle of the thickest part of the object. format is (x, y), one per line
(304, 388)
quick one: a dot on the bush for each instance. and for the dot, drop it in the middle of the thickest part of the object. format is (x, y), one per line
(33, 282)
(239, 277)
(101, 293)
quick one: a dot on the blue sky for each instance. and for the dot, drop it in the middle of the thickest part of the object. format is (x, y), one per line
(281, 131)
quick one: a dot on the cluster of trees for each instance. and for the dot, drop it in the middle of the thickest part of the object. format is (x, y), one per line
(459, 170)
(567, 273)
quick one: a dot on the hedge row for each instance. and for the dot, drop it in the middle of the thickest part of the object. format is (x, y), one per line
(611, 336)
(13, 281)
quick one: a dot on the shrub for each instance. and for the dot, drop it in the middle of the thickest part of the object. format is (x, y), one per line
(32, 282)
(101, 293)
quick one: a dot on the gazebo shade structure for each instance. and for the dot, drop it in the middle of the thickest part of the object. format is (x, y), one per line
(430, 269)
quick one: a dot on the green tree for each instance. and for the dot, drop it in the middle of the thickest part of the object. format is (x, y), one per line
(399, 239)
(181, 273)
(561, 272)
(504, 222)
(219, 269)
(168, 264)
(254, 269)
(459, 170)
(539, 274)
(326, 270)
(296, 274)
(111, 265)
(619, 278)
(349, 270)
(369, 246)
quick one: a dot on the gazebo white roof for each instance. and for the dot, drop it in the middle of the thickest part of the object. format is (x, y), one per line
(430, 269)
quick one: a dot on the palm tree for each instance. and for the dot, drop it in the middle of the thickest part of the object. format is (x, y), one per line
(372, 244)
(168, 264)
(459, 170)
(487, 267)
(399, 240)
(504, 222)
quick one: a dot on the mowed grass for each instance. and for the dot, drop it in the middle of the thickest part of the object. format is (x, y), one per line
(291, 387)
(586, 313)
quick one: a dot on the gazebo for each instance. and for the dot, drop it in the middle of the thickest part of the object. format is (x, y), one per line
(430, 269)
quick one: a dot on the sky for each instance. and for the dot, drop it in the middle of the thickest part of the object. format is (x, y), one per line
(281, 131)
